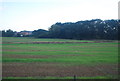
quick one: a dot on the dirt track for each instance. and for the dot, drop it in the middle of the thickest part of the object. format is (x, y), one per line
(54, 69)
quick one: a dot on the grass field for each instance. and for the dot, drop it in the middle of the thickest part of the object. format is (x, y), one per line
(59, 58)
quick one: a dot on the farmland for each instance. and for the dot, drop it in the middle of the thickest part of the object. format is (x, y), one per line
(59, 58)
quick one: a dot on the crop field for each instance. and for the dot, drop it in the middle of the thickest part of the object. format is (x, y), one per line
(32, 58)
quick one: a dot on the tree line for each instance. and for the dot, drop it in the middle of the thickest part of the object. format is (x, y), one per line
(82, 30)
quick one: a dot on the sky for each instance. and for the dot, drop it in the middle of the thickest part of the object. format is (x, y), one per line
(31, 15)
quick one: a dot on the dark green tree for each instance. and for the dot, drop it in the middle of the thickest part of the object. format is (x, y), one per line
(40, 33)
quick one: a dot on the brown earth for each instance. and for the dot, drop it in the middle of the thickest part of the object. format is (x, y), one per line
(56, 70)
(58, 42)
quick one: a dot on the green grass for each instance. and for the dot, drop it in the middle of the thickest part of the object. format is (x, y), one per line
(76, 60)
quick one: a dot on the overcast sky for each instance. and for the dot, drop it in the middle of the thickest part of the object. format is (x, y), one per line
(41, 14)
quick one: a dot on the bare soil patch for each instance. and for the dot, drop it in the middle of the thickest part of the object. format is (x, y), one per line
(58, 42)
(54, 69)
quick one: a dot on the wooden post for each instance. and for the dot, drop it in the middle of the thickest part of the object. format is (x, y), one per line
(74, 78)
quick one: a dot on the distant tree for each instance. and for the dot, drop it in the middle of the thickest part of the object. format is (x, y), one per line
(88, 29)
(3, 33)
(40, 33)
(9, 33)
(55, 31)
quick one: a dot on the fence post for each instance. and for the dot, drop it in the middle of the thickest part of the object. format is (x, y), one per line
(74, 78)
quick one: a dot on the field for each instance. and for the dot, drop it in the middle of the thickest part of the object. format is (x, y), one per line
(31, 58)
